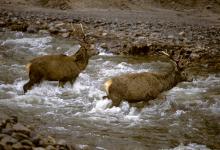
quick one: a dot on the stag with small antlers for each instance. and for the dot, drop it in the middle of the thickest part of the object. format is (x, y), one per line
(60, 67)
(145, 86)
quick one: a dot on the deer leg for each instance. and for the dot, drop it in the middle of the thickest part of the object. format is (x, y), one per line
(116, 102)
(33, 80)
(72, 81)
(28, 86)
(61, 83)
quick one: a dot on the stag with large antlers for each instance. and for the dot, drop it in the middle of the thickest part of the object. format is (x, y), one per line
(145, 86)
(60, 67)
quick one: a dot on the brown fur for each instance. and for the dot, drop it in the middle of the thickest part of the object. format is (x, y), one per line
(60, 68)
(145, 86)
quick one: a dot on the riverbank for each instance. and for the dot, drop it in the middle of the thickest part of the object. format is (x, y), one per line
(125, 32)
(14, 135)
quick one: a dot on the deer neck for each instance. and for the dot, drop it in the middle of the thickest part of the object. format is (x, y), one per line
(170, 79)
(81, 58)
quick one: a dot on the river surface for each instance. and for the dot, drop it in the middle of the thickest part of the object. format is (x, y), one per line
(185, 117)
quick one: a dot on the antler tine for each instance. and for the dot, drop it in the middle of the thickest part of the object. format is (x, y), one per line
(165, 53)
(84, 36)
(74, 30)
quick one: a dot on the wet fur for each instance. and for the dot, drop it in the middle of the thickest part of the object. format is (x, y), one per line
(60, 68)
(145, 86)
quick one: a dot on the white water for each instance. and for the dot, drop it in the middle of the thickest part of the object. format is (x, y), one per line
(82, 110)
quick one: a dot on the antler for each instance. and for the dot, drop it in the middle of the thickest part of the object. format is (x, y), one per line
(180, 62)
(79, 34)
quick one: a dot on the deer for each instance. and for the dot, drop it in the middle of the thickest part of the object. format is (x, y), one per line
(145, 86)
(60, 67)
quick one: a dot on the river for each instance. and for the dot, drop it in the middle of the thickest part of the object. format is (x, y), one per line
(185, 117)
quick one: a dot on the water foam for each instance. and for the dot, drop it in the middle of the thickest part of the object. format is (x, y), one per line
(34, 44)
(191, 146)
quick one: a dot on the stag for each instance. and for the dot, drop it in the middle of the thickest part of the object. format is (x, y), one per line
(60, 67)
(144, 86)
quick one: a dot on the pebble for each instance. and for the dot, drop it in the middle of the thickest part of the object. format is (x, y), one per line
(66, 35)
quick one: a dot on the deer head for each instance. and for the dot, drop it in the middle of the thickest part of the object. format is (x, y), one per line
(180, 63)
(84, 41)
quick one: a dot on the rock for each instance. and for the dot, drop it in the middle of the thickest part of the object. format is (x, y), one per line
(104, 46)
(21, 128)
(17, 146)
(48, 141)
(104, 34)
(194, 56)
(50, 147)
(39, 148)
(2, 136)
(26, 142)
(36, 140)
(44, 32)
(19, 27)
(8, 140)
(59, 25)
(61, 142)
(66, 35)
(2, 23)
(209, 7)
(13, 119)
(32, 29)
(182, 33)
(7, 131)
(63, 30)
(53, 30)
(38, 22)
(19, 136)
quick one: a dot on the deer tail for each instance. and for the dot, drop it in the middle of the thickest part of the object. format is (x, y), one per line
(28, 67)
(107, 84)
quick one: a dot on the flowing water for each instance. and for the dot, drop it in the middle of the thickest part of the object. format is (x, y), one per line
(185, 117)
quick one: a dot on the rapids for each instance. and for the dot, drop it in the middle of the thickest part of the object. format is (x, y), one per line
(185, 117)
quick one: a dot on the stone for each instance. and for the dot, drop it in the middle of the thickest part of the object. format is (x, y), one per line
(19, 27)
(104, 34)
(44, 32)
(104, 46)
(7, 131)
(19, 136)
(2, 23)
(32, 29)
(48, 141)
(66, 35)
(21, 128)
(61, 142)
(2, 136)
(50, 147)
(59, 25)
(53, 30)
(182, 33)
(17, 146)
(26, 142)
(8, 140)
(39, 148)
(63, 30)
